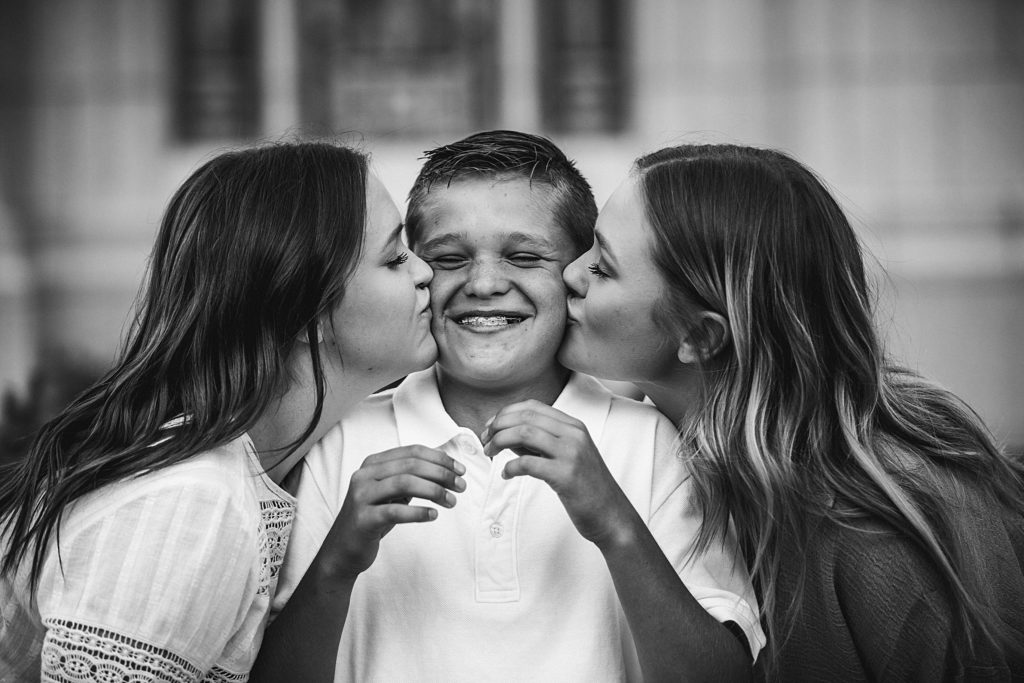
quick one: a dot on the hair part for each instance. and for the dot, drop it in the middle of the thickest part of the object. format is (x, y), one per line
(803, 407)
(506, 155)
(253, 249)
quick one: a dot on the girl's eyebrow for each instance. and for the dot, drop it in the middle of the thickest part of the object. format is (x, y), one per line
(603, 243)
(395, 234)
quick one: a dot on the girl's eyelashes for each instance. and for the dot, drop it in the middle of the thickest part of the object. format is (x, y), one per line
(398, 260)
(596, 270)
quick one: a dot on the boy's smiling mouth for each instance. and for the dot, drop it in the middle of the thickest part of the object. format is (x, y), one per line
(479, 320)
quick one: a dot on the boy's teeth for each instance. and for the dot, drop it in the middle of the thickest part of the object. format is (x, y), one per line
(488, 320)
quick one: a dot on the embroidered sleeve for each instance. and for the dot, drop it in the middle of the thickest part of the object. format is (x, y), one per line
(150, 587)
(77, 652)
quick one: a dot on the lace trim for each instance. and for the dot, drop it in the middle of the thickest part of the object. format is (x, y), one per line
(276, 527)
(219, 675)
(79, 653)
(75, 653)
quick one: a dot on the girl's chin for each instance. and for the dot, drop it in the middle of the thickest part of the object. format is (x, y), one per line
(571, 356)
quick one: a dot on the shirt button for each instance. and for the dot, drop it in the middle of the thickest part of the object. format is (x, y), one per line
(497, 531)
(466, 444)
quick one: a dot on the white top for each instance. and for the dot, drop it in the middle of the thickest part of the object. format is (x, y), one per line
(166, 576)
(502, 586)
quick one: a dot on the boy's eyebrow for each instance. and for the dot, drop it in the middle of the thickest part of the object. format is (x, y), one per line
(518, 238)
(522, 238)
(443, 240)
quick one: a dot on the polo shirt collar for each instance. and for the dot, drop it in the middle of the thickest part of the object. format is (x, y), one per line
(588, 401)
(421, 418)
(419, 414)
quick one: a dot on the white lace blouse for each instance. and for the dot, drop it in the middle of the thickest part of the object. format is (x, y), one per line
(164, 577)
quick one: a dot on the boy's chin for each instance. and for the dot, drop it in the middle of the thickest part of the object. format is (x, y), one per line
(491, 372)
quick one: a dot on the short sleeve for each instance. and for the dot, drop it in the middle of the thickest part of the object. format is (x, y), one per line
(148, 582)
(716, 577)
(317, 501)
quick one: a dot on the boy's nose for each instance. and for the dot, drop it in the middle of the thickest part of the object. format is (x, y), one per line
(486, 279)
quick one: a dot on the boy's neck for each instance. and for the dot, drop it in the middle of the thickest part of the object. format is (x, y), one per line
(471, 405)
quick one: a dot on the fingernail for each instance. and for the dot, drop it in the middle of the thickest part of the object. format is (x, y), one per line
(449, 499)
(431, 513)
(485, 435)
(459, 467)
(460, 484)
(504, 474)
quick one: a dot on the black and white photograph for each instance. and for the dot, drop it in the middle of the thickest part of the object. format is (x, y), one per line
(462, 341)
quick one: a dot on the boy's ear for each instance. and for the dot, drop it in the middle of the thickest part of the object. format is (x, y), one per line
(705, 338)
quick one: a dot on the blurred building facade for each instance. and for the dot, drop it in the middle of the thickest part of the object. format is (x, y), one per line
(913, 111)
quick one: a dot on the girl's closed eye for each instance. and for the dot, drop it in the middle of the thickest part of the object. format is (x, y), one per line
(398, 260)
(596, 270)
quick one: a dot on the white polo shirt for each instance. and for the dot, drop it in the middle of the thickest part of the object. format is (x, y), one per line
(502, 587)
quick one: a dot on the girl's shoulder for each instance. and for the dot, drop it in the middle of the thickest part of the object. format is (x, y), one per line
(220, 478)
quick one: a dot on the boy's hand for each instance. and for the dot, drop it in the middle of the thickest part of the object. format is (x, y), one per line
(557, 449)
(378, 499)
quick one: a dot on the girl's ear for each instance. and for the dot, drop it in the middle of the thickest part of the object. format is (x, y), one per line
(304, 338)
(705, 339)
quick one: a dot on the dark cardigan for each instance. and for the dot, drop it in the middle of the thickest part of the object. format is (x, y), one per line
(874, 609)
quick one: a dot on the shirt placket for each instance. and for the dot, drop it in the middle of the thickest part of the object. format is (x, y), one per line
(496, 571)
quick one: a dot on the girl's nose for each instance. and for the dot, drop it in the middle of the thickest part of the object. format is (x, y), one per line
(575, 274)
(422, 273)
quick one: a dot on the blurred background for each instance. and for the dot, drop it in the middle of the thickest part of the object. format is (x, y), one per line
(912, 110)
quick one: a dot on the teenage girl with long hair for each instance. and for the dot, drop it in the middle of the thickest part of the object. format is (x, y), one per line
(881, 522)
(143, 533)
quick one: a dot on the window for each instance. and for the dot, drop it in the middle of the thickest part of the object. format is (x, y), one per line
(216, 80)
(397, 67)
(583, 74)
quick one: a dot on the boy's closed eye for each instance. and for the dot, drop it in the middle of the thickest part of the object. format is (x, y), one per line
(445, 261)
(523, 258)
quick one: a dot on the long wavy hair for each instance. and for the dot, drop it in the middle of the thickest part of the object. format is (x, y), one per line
(253, 248)
(802, 409)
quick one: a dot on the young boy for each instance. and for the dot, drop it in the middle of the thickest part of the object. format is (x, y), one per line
(504, 585)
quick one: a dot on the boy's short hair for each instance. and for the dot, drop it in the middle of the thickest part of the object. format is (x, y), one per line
(503, 155)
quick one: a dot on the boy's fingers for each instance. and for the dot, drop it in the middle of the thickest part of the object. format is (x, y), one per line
(504, 421)
(403, 487)
(418, 451)
(530, 465)
(386, 515)
(523, 436)
(446, 476)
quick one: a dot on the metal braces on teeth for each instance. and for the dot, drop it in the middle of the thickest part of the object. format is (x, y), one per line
(489, 321)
